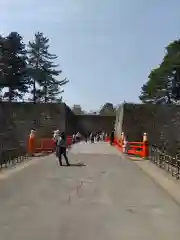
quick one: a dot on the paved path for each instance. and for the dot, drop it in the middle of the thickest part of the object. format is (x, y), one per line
(109, 198)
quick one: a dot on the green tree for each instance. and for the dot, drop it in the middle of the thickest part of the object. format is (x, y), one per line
(155, 88)
(163, 83)
(107, 109)
(43, 70)
(14, 79)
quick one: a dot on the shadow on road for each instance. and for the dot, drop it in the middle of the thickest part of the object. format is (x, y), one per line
(77, 164)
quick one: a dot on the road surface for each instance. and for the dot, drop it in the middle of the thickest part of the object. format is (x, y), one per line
(100, 197)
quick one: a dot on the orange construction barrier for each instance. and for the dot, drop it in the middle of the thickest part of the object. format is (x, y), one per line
(120, 142)
(49, 144)
(107, 139)
(116, 141)
(46, 145)
(133, 148)
(69, 140)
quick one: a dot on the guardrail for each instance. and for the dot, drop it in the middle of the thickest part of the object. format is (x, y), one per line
(12, 156)
(164, 161)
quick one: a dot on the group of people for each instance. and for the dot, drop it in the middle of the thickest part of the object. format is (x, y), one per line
(76, 137)
(91, 136)
(61, 146)
(98, 136)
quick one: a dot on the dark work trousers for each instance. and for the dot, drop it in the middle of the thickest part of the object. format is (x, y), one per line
(92, 139)
(62, 151)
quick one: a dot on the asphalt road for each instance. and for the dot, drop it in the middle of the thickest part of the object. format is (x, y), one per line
(100, 197)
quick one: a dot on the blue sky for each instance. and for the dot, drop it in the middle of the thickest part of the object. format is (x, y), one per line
(106, 48)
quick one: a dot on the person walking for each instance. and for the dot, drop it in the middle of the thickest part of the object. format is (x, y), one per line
(56, 136)
(92, 137)
(62, 146)
(73, 138)
(85, 137)
(112, 137)
(98, 137)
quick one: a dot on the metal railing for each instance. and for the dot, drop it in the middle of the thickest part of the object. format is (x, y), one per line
(12, 156)
(11, 152)
(165, 161)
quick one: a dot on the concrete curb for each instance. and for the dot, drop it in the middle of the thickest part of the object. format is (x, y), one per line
(164, 182)
(162, 178)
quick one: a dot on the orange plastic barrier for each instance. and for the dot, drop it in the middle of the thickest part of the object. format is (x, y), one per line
(138, 148)
(107, 139)
(118, 144)
(69, 140)
(49, 144)
(133, 148)
(46, 145)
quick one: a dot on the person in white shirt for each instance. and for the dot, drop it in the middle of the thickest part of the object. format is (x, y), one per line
(73, 138)
(56, 136)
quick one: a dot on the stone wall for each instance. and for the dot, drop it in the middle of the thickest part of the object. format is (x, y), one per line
(16, 120)
(90, 123)
(70, 121)
(7, 127)
(161, 122)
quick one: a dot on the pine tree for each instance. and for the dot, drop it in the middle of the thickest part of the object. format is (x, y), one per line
(163, 85)
(13, 71)
(43, 70)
